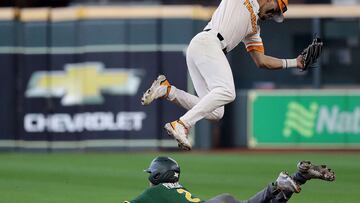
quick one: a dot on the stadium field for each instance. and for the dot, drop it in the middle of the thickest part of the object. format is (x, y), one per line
(115, 177)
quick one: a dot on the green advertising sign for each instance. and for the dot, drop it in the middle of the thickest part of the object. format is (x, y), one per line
(304, 118)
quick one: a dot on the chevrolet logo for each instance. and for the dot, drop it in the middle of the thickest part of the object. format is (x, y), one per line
(83, 83)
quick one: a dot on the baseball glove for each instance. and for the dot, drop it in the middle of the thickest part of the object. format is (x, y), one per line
(311, 53)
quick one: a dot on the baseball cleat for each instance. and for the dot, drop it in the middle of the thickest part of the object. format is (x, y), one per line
(311, 171)
(285, 183)
(178, 131)
(160, 88)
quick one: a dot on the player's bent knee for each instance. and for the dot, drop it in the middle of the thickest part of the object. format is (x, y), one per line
(224, 93)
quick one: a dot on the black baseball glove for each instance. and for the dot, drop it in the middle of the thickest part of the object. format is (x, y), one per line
(311, 53)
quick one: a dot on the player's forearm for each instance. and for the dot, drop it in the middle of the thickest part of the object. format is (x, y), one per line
(273, 63)
(270, 62)
(263, 61)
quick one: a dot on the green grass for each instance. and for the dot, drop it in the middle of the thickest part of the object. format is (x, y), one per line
(112, 178)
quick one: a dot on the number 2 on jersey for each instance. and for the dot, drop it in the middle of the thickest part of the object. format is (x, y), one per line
(188, 195)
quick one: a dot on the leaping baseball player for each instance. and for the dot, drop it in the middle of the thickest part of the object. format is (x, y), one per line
(234, 21)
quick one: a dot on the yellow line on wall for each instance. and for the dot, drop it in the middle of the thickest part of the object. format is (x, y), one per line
(132, 12)
(7, 13)
(323, 11)
(35, 14)
(113, 12)
(151, 12)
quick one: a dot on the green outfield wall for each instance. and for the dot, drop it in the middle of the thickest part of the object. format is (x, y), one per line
(322, 118)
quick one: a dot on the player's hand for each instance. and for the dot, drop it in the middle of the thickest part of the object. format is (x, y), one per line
(300, 63)
(311, 53)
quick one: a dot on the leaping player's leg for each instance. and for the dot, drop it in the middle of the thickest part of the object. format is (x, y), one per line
(187, 101)
(161, 88)
(210, 71)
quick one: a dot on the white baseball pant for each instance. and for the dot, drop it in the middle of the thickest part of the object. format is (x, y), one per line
(212, 78)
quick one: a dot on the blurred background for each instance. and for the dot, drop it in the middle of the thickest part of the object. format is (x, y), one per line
(61, 3)
(73, 73)
(63, 62)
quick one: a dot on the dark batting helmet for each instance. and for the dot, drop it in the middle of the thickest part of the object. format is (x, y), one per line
(163, 170)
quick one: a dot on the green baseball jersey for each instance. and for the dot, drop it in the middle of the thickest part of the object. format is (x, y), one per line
(166, 193)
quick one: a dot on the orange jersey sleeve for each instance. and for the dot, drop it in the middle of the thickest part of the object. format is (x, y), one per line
(254, 42)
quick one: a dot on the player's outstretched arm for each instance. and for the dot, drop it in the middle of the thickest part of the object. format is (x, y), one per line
(304, 61)
(263, 61)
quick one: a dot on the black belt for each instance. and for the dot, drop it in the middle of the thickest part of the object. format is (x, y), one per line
(220, 37)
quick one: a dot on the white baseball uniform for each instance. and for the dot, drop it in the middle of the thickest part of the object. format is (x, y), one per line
(234, 21)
